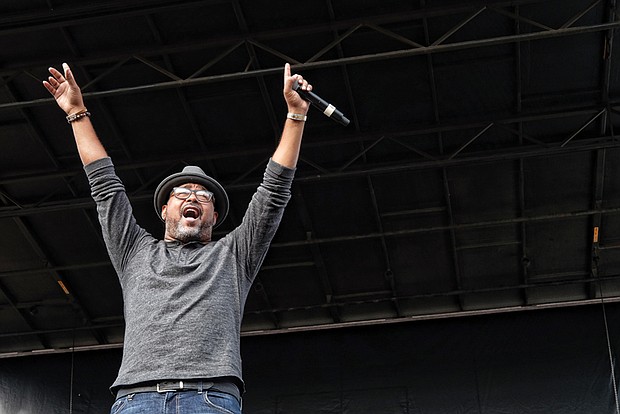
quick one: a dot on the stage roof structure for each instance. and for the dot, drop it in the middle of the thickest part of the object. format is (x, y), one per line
(480, 172)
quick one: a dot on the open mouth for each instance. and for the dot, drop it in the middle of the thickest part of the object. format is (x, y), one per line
(191, 212)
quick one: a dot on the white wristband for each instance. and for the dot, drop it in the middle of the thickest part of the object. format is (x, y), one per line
(296, 117)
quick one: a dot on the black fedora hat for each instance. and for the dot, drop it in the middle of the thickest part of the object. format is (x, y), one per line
(192, 174)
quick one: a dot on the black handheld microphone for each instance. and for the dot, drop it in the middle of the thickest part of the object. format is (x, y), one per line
(327, 108)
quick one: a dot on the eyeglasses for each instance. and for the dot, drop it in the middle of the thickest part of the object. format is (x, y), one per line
(182, 193)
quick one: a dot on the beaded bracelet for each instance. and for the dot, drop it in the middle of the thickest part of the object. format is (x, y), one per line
(78, 115)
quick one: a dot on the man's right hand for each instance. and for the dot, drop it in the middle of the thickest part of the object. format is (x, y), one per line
(65, 90)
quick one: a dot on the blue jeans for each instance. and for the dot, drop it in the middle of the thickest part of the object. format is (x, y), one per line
(177, 402)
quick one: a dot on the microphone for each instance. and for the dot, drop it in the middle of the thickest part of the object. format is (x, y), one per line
(327, 108)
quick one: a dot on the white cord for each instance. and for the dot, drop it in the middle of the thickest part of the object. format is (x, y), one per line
(609, 350)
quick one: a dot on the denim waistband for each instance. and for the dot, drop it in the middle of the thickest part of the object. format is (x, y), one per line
(175, 386)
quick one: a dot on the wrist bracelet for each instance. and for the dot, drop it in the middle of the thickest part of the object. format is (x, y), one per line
(78, 115)
(296, 117)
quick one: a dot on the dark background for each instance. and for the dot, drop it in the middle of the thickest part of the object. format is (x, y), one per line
(551, 361)
(438, 250)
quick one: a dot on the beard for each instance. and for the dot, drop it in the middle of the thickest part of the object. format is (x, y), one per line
(185, 234)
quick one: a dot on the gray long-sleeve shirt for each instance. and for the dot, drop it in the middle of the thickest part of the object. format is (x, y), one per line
(184, 302)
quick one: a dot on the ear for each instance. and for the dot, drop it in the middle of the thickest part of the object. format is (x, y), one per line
(163, 211)
(214, 217)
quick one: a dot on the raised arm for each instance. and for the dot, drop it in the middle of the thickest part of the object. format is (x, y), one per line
(69, 98)
(287, 152)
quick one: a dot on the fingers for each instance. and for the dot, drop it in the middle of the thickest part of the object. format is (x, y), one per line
(53, 83)
(57, 78)
(68, 73)
(289, 79)
(56, 74)
(294, 101)
(304, 85)
(64, 89)
(49, 88)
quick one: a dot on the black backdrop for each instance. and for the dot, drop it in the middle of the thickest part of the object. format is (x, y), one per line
(544, 361)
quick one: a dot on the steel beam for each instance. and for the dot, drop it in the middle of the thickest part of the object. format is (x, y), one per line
(441, 48)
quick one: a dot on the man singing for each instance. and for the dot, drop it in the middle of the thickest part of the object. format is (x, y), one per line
(184, 295)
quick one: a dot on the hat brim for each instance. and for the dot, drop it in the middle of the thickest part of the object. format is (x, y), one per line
(162, 193)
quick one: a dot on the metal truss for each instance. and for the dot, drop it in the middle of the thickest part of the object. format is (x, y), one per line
(599, 118)
(410, 47)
